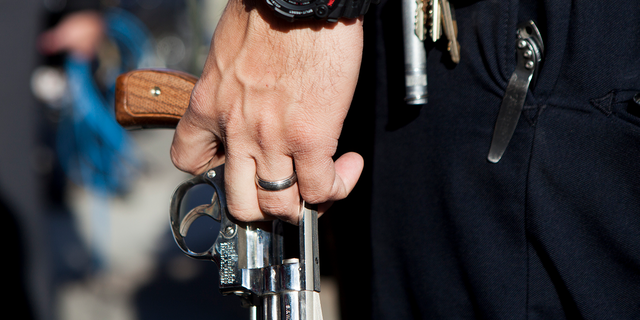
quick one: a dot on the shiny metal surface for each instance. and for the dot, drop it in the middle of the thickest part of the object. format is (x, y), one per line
(250, 256)
(530, 50)
(415, 56)
(450, 30)
(436, 20)
(309, 257)
(277, 185)
(420, 19)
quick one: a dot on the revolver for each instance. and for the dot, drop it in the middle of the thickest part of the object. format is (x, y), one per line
(250, 256)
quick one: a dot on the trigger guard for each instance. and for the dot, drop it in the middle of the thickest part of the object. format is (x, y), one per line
(202, 210)
(180, 224)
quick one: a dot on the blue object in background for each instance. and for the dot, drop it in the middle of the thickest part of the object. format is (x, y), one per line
(94, 151)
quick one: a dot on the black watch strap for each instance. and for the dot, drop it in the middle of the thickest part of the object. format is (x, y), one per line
(330, 10)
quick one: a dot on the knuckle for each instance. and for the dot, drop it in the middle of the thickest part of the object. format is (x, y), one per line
(242, 214)
(314, 149)
(276, 209)
(179, 161)
(197, 95)
(320, 193)
(302, 135)
(265, 127)
(199, 101)
(317, 182)
(190, 163)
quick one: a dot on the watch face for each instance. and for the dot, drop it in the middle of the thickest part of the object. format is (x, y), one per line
(299, 3)
(330, 10)
(299, 9)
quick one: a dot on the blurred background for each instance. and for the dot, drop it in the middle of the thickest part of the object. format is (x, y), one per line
(86, 202)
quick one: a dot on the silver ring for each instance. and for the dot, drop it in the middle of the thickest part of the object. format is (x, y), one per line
(277, 185)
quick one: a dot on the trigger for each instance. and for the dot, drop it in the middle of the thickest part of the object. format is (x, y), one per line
(211, 210)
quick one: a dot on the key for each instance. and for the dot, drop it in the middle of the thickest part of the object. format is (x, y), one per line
(435, 17)
(421, 30)
(450, 30)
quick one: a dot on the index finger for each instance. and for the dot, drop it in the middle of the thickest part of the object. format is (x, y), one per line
(196, 147)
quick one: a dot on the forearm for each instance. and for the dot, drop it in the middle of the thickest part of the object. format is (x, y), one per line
(251, 29)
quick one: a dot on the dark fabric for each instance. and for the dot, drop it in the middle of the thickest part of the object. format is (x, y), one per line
(15, 284)
(20, 183)
(69, 6)
(552, 231)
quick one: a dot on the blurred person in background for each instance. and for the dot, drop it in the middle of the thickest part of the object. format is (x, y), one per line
(24, 160)
(79, 33)
(49, 33)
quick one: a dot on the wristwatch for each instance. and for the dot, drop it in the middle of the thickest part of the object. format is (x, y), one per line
(330, 10)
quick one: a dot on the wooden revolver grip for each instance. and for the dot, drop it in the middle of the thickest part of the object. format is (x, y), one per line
(152, 98)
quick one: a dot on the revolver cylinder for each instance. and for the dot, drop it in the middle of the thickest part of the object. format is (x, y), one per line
(250, 256)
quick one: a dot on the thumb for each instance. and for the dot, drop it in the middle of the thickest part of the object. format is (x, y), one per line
(348, 168)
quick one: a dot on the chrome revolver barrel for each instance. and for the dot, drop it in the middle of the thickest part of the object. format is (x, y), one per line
(250, 256)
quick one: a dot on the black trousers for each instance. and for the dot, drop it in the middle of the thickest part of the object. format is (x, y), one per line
(552, 231)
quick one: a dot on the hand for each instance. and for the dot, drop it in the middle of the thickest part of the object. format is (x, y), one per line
(273, 96)
(79, 33)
